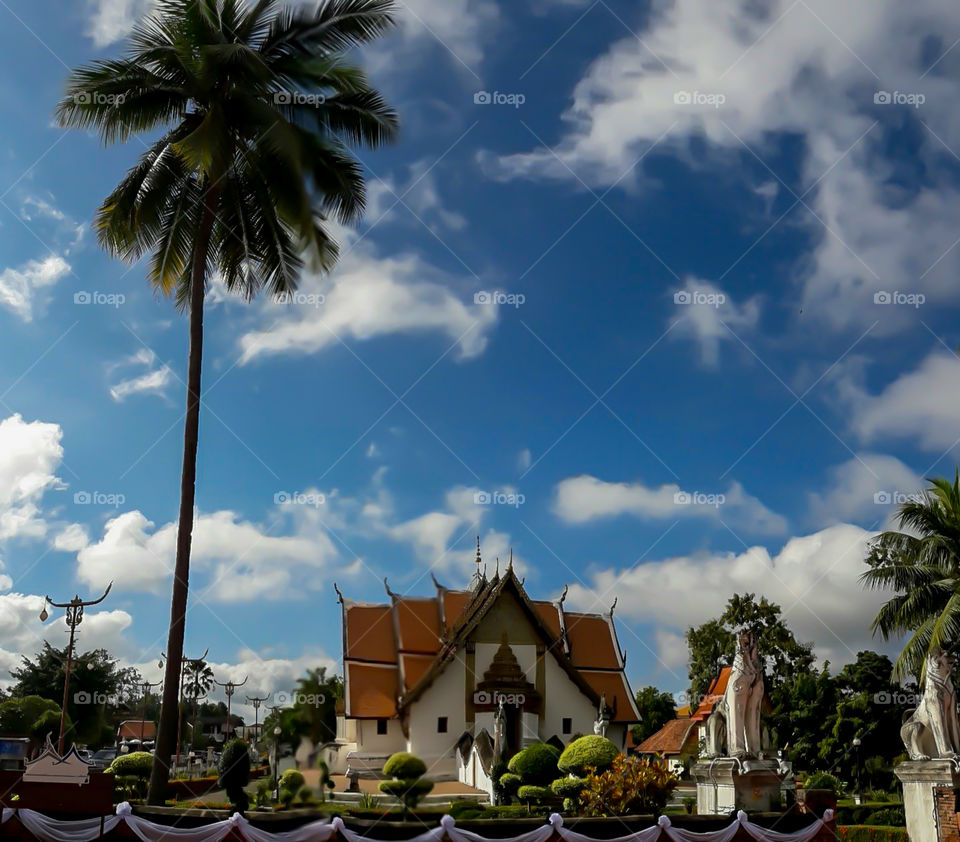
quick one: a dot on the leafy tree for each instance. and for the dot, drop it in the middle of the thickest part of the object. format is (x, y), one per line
(101, 693)
(712, 644)
(31, 716)
(656, 710)
(313, 713)
(921, 565)
(241, 181)
(800, 721)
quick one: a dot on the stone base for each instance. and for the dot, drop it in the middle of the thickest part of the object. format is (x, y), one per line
(921, 780)
(727, 784)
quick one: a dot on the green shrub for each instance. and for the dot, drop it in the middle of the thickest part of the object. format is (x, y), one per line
(536, 764)
(404, 766)
(136, 764)
(568, 787)
(631, 785)
(305, 796)
(511, 783)
(534, 794)
(590, 752)
(889, 817)
(292, 780)
(235, 774)
(822, 780)
(463, 808)
(407, 785)
(262, 796)
(286, 797)
(368, 801)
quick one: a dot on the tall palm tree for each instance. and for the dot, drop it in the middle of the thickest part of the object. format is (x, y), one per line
(922, 566)
(257, 108)
(198, 679)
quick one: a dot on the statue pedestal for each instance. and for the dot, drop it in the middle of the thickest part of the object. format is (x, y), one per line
(921, 779)
(726, 784)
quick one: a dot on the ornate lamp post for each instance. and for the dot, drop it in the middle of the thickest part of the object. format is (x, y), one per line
(856, 748)
(276, 762)
(74, 617)
(230, 688)
(256, 713)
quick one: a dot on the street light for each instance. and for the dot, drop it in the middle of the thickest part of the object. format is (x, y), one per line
(276, 761)
(229, 688)
(856, 747)
(74, 617)
(256, 702)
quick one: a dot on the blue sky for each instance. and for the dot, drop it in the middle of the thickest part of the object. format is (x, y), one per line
(680, 300)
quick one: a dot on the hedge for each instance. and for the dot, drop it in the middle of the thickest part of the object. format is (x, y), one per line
(869, 833)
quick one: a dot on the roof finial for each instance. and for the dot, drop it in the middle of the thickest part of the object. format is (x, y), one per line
(510, 565)
(563, 596)
(479, 575)
(390, 593)
(613, 607)
(339, 595)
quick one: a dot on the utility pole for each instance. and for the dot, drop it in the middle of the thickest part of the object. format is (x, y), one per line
(74, 617)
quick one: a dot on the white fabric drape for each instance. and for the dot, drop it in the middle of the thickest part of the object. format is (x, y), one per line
(47, 829)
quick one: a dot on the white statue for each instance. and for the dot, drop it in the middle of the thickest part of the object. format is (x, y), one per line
(603, 718)
(733, 728)
(933, 731)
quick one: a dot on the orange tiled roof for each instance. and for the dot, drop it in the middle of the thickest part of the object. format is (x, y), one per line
(714, 694)
(131, 729)
(670, 739)
(410, 635)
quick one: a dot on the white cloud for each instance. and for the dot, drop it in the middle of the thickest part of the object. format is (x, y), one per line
(866, 486)
(524, 459)
(153, 382)
(71, 539)
(370, 296)
(586, 498)
(708, 316)
(30, 453)
(814, 578)
(922, 406)
(245, 561)
(112, 20)
(808, 70)
(20, 288)
(387, 198)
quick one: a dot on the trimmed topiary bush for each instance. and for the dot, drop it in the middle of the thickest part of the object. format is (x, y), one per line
(286, 797)
(568, 787)
(510, 783)
(536, 764)
(534, 794)
(292, 780)
(590, 752)
(822, 780)
(406, 784)
(404, 766)
(234, 774)
(132, 771)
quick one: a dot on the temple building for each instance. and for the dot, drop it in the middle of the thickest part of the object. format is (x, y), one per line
(468, 677)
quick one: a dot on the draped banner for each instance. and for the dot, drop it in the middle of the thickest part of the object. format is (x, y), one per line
(47, 829)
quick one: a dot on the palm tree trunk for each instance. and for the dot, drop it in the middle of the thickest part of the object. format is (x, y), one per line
(169, 711)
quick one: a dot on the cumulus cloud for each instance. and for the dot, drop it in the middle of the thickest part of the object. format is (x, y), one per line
(809, 70)
(814, 578)
(586, 498)
(30, 453)
(708, 316)
(370, 296)
(921, 405)
(418, 196)
(241, 558)
(866, 487)
(20, 288)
